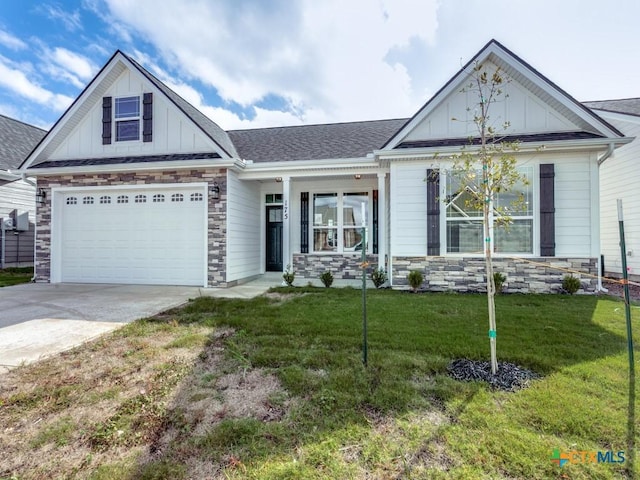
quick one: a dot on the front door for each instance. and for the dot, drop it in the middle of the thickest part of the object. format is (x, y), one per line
(274, 239)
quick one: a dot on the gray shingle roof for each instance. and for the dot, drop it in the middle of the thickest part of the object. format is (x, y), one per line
(17, 139)
(175, 157)
(629, 106)
(314, 142)
(534, 137)
(208, 126)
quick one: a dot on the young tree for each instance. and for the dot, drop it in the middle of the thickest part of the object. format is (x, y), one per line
(485, 168)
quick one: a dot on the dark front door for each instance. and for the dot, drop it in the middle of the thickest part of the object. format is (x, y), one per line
(274, 239)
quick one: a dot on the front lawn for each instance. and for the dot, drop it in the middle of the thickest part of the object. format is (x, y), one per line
(275, 388)
(15, 275)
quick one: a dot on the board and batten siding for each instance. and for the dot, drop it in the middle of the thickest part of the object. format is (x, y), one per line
(620, 179)
(243, 228)
(173, 132)
(408, 209)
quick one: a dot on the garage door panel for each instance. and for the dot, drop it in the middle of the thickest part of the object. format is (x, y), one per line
(120, 238)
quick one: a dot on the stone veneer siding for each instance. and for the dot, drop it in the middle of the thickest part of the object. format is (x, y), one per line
(342, 266)
(465, 274)
(217, 212)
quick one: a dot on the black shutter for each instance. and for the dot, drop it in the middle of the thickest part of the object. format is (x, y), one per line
(547, 211)
(433, 212)
(147, 117)
(304, 222)
(375, 221)
(106, 120)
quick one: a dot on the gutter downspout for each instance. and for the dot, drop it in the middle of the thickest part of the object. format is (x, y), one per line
(601, 160)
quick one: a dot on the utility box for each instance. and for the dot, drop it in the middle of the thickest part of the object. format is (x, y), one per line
(22, 222)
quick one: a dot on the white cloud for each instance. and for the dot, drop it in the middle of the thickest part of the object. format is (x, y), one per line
(326, 60)
(16, 81)
(70, 20)
(75, 63)
(9, 41)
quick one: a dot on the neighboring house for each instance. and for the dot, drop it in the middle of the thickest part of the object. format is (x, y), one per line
(143, 188)
(620, 179)
(17, 195)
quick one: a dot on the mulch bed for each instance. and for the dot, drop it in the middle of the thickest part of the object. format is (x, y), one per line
(615, 289)
(510, 377)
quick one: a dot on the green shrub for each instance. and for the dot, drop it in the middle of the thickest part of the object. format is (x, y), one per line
(326, 278)
(415, 279)
(378, 277)
(571, 284)
(498, 280)
(289, 276)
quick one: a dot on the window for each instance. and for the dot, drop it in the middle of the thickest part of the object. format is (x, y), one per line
(273, 198)
(158, 198)
(337, 221)
(105, 199)
(464, 228)
(87, 200)
(196, 197)
(123, 199)
(177, 197)
(72, 201)
(140, 199)
(127, 118)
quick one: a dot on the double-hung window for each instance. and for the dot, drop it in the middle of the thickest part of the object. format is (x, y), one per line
(127, 118)
(337, 221)
(511, 216)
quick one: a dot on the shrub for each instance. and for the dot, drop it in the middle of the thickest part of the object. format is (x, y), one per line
(498, 280)
(378, 277)
(415, 279)
(571, 284)
(289, 276)
(326, 278)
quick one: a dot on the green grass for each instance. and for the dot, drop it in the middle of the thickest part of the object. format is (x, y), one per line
(403, 417)
(15, 275)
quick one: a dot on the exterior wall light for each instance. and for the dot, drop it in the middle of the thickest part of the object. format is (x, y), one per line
(41, 196)
(357, 176)
(214, 190)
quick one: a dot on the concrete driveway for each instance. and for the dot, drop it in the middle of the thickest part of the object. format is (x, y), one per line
(40, 319)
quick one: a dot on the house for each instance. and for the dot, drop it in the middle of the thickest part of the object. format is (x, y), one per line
(17, 194)
(140, 187)
(619, 179)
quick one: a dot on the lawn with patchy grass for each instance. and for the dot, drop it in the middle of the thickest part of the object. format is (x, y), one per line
(274, 387)
(15, 275)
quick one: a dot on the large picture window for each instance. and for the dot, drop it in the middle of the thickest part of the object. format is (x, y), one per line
(127, 118)
(512, 216)
(337, 221)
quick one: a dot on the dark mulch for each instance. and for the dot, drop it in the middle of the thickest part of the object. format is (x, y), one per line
(510, 377)
(615, 289)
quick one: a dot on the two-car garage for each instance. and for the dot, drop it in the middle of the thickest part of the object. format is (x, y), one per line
(138, 234)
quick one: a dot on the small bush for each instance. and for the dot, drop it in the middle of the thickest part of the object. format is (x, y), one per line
(378, 277)
(415, 279)
(498, 280)
(571, 284)
(289, 276)
(326, 278)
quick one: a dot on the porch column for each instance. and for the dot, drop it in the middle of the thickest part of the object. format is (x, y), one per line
(382, 221)
(286, 229)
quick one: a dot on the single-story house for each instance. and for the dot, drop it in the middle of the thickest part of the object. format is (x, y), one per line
(140, 187)
(17, 194)
(620, 179)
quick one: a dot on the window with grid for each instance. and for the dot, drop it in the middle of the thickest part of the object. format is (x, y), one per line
(127, 118)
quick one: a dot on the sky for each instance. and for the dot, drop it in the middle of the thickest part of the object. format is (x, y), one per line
(263, 63)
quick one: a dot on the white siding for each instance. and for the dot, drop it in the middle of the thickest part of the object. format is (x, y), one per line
(173, 132)
(243, 228)
(573, 218)
(525, 112)
(408, 209)
(18, 195)
(620, 178)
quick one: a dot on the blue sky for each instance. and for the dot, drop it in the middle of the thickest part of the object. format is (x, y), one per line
(257, 63)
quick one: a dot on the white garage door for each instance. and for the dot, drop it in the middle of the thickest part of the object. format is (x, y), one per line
(143, 236)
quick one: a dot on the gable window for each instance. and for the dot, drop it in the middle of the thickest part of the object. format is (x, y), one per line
(464, 223)
(337, 221)
(127, 118)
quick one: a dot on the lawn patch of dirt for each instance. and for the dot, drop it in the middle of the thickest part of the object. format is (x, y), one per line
(124, 399)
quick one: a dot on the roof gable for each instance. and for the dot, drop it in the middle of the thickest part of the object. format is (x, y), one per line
(531, 103)
(81, 124)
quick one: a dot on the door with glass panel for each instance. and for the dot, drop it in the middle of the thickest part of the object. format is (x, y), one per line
(274, 239)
